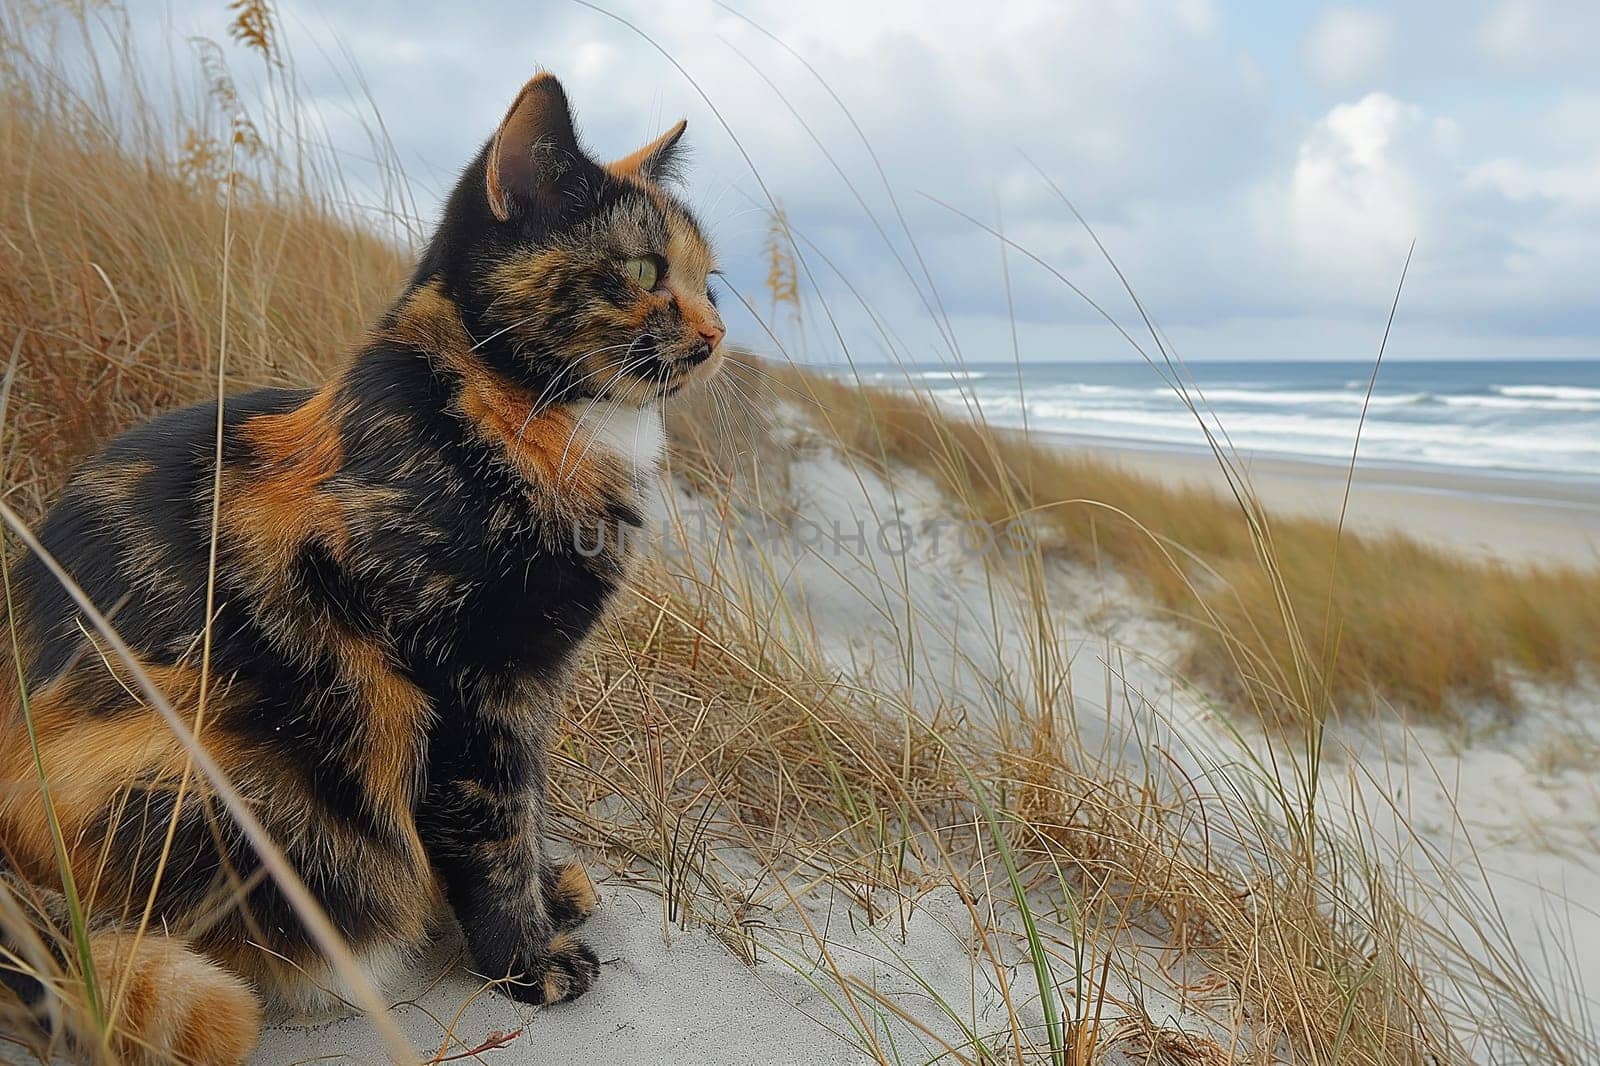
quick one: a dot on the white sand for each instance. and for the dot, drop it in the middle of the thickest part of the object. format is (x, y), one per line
(686, 1000)
(1517, 519)
(1527, 797)
(1502, 817)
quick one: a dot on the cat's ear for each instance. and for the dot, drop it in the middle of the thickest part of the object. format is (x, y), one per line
(655, 161)
(534, 149)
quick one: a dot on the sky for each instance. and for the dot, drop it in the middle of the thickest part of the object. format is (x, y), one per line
(1258, 171)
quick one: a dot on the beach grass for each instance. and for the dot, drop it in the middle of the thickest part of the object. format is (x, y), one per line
(712, 742)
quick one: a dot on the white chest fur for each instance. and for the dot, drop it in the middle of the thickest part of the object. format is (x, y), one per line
(633, 436)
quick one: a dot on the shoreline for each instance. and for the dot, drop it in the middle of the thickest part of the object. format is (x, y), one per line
(1509, 518)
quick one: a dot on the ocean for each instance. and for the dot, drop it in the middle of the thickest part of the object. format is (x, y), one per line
(1514, 417)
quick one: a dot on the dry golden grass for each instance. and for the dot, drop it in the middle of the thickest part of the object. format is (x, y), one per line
(711, 737)
(704, 729)
(111, 271)
(1410, 626)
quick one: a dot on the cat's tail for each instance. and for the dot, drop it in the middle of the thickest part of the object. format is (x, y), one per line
(165, 1001)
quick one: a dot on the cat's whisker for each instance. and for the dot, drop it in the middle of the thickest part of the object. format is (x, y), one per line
(718, 405)
(595, 432)
(558, 382)
(477, 344)
(770, 378)
(730, 386)
(726, 386)
(561, 464)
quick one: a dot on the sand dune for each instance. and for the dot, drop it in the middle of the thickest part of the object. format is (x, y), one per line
(1496, 818)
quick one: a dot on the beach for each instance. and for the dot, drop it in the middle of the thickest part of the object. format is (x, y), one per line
(1496, 459)
(941, 716)
(1511, 518)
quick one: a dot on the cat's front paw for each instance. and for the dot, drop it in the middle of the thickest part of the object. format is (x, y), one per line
(569, 895)
(565, 971)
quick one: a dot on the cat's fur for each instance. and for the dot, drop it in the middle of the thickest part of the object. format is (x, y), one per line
(409, 559)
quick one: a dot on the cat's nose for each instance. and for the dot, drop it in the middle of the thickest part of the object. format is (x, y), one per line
(712, 335)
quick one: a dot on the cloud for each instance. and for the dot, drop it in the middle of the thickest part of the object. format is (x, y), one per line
(1532, 33)
(1349, 47)
(1569, 187)
(1244, 176)
(1365, 182)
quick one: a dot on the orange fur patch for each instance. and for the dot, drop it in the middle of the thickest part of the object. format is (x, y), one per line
(575, 886)
(629, 165)
(556, 983)
(427, 322)
(395, 734)
(304, 441)
(535, 445)
(177, 1006)
(277, 508)
(88, 758)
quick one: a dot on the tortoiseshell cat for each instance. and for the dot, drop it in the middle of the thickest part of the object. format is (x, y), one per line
(406, 571)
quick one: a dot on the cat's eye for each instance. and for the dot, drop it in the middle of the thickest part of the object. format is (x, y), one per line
(647, 270)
